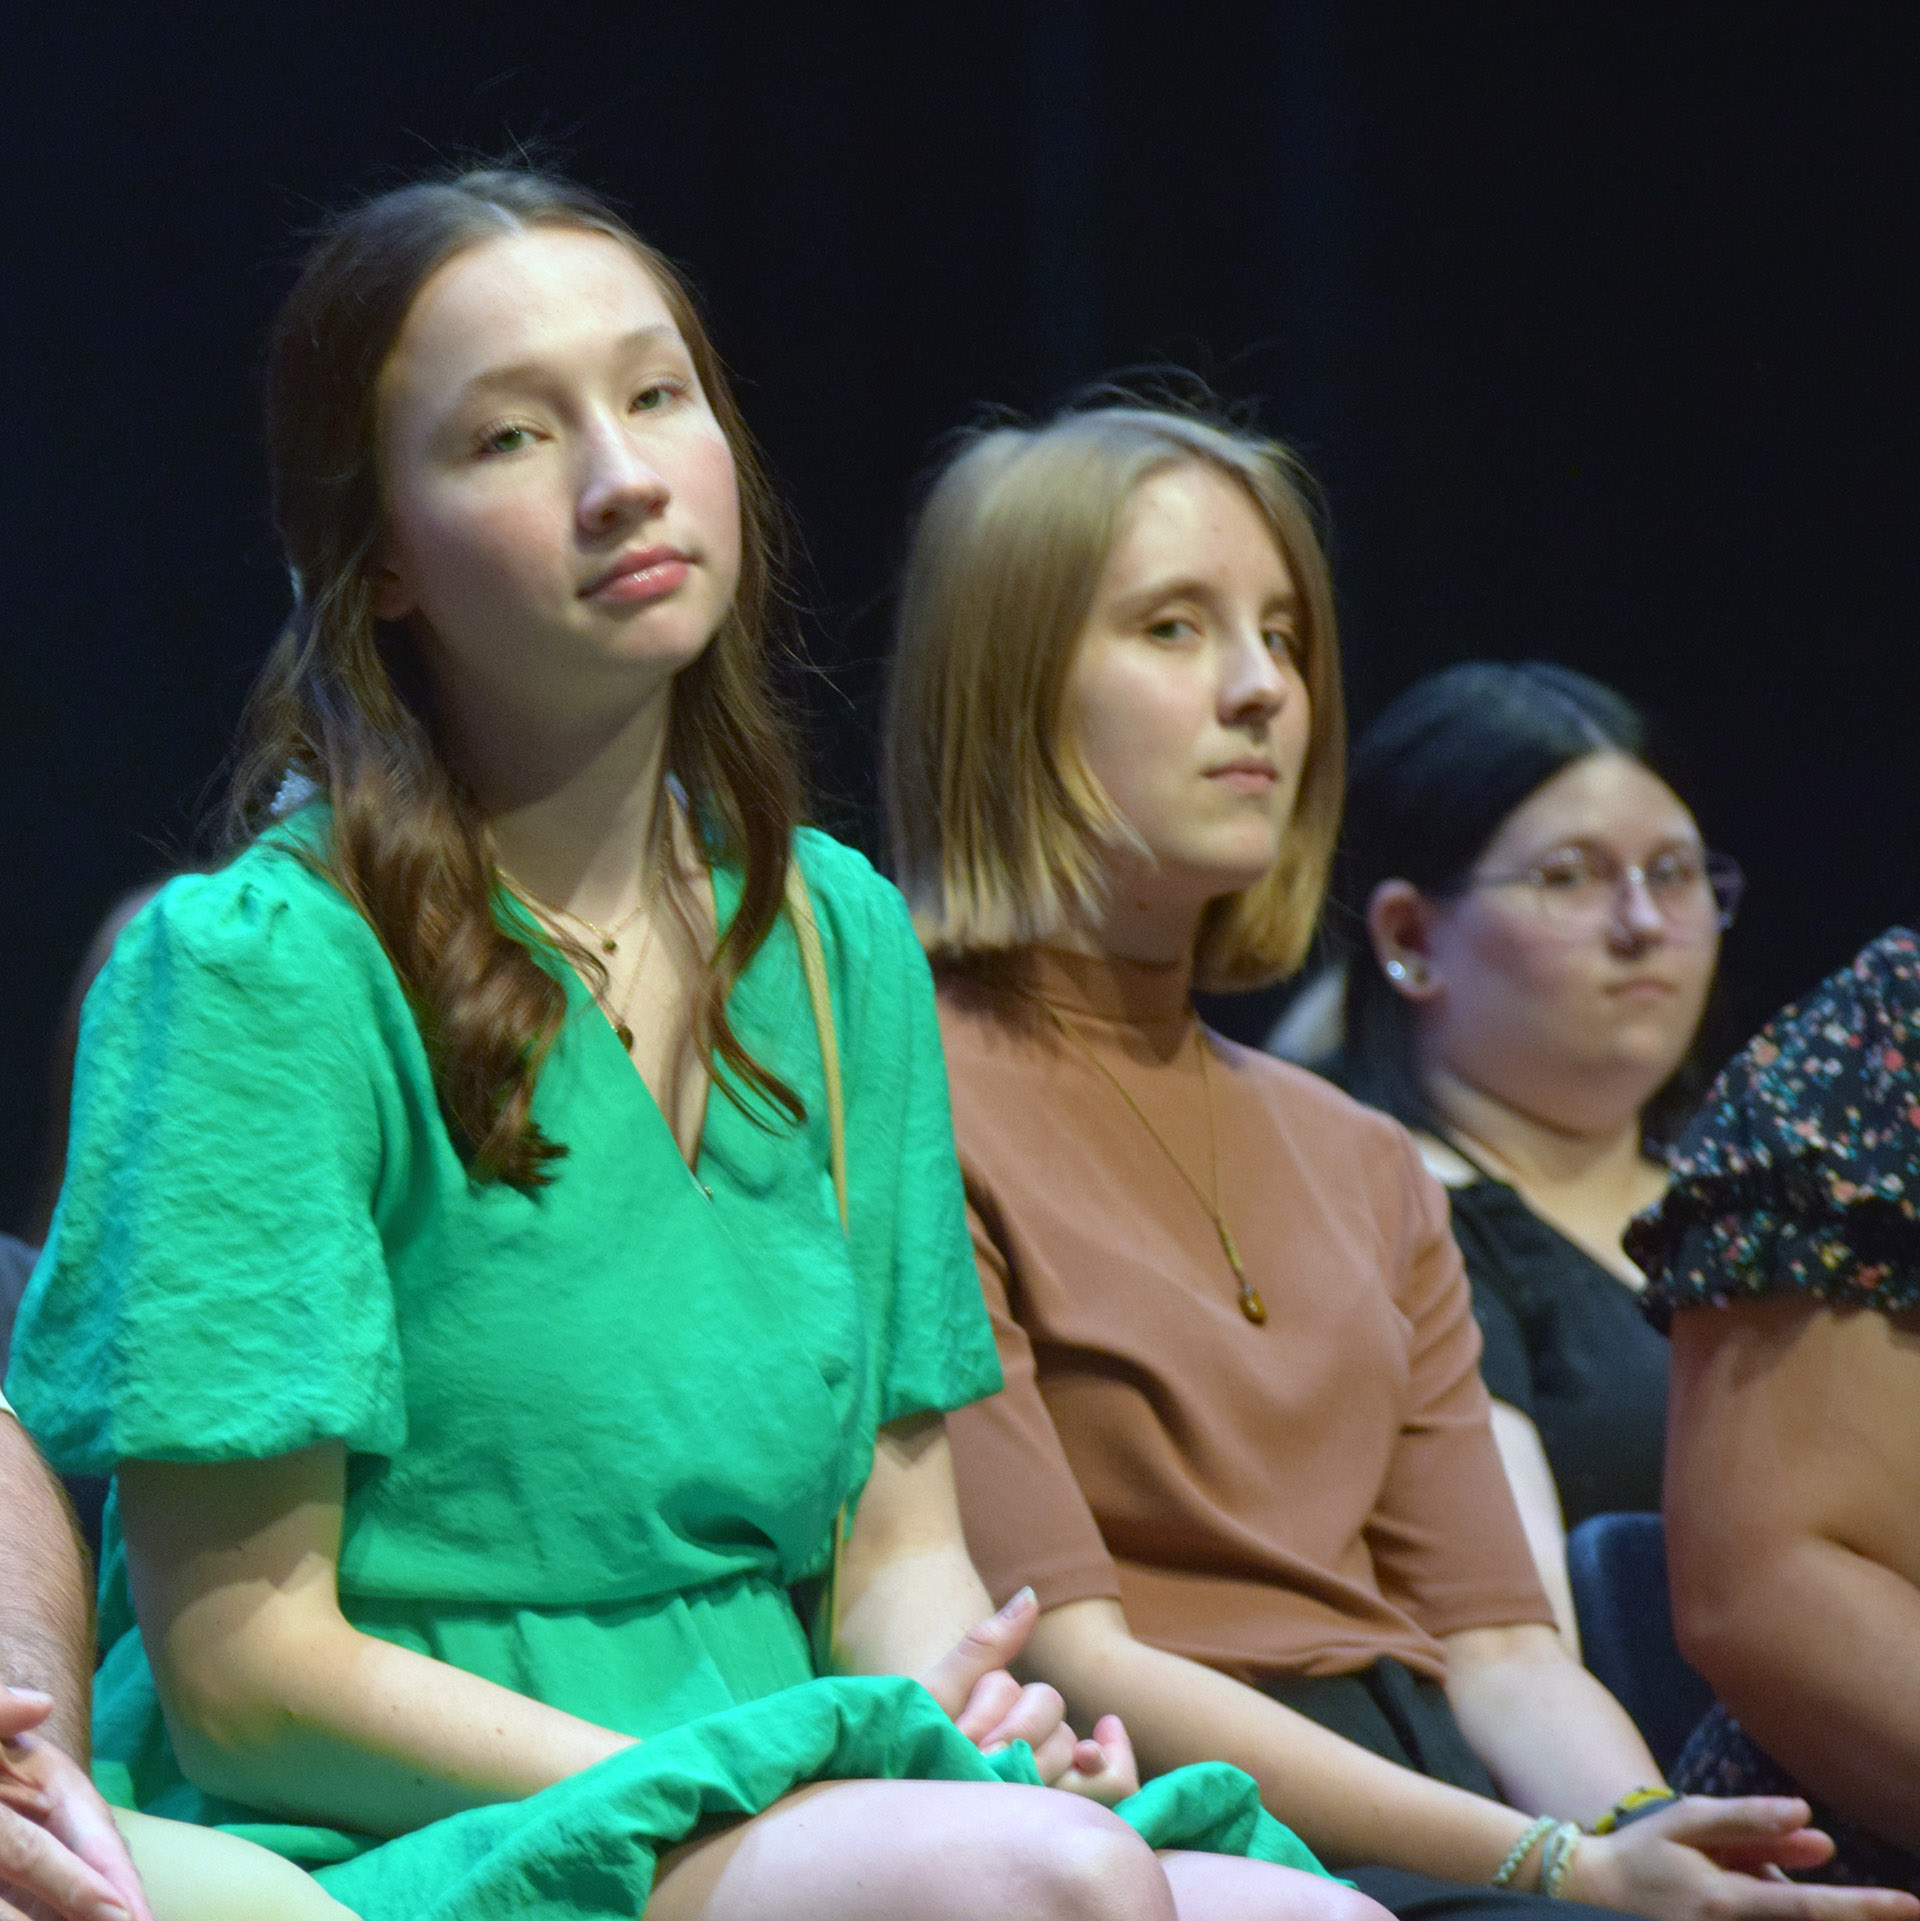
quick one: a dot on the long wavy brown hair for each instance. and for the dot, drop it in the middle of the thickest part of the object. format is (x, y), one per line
(343, 703)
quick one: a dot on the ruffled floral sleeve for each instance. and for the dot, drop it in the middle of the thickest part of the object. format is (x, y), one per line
(1801, 1173)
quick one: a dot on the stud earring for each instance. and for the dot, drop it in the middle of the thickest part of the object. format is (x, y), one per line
(1406, 974)
(1396, 970)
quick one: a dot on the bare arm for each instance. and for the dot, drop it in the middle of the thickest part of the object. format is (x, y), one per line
(908, 1591)
(46, 1610)
(1551, 1736)
(1793, 1522)
(64, 1851)
(1348, 1804)
(1538, 1500)
(273, 1699)
(912, 1603)
(1351, 1806)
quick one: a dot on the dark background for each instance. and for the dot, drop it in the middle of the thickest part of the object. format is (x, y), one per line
(1597, 322)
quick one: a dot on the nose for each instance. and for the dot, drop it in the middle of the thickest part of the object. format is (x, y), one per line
(1253, 683)
(1635, 911)
(618, 485)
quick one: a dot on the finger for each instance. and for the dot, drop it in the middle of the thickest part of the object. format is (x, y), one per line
(989, 1644)
(1802, 1848)
(21, 1709)
(1104, 1768)
(1053, 1758)
(81, 1819)
(1117, 1744)
(1031, 1717)
(991, 1701)
(33, 1862)
(1699, 1819)
(1809, 1901)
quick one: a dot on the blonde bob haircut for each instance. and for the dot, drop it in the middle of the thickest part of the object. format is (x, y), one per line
(997, 824)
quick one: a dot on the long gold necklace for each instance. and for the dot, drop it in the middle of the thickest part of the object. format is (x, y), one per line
(1251, 1305)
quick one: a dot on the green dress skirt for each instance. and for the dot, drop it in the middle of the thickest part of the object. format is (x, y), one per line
(595, 1433)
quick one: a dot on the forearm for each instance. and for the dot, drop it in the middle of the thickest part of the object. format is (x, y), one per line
(1551, 1736)
(46, 1613)
(901, 1615)
(908, 1590)
(1839, 1708)
(1530, 1479)
(1349, 1805)
(318, 1722)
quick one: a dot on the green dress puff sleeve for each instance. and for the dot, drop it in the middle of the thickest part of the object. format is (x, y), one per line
(214, 1286)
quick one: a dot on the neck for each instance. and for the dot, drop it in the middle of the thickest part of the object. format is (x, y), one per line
(574, 809)
(1539, 1156)
(1133, 926)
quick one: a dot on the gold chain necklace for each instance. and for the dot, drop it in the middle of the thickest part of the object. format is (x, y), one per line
(608, 937)
(1251, 1305)
(555, 917)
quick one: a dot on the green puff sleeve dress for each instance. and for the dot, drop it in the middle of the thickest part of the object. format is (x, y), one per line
(594, 1433)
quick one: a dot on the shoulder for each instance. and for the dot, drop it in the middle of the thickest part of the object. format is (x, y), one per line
(267, 936)
(1328, 1125)
(847, 891)
(872, 956)
(990, 1036)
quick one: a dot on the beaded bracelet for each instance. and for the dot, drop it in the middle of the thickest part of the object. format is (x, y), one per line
(1556, 1858)
(1632, 1806)
(1544, 1824)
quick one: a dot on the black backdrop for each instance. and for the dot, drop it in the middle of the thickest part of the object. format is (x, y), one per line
(1597, 322)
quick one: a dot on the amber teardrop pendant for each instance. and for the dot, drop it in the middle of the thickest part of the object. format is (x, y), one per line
(1251, 1305)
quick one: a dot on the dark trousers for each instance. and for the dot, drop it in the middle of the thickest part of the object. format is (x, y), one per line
(1394, 1713)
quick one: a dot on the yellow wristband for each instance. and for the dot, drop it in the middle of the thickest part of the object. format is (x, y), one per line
(1631, 1806)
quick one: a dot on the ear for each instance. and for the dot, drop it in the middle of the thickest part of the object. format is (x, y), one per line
(1400, 924)
(389, 595)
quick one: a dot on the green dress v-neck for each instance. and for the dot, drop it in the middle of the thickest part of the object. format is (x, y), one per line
(594, 1433)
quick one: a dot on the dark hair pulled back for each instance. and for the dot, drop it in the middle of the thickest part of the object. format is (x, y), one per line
(343, 703)
(1430, 784)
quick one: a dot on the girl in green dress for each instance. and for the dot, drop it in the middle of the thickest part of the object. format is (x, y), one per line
(499, 1252)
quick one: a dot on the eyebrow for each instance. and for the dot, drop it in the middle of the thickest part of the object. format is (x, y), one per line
(1190, 587)
(521, 374)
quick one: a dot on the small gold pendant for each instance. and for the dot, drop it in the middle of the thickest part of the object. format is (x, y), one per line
(625, 1035)
(608, 945)
(1251, 1305)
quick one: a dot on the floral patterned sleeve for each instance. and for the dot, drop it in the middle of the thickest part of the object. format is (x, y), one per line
(1801, 1172)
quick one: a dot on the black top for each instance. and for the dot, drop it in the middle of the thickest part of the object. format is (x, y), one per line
(1567, 1345)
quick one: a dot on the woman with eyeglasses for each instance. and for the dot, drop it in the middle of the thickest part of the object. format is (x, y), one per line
(1541, 924)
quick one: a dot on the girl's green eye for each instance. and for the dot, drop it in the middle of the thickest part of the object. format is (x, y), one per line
(1170, 629)
(651, 399)
(505, 440)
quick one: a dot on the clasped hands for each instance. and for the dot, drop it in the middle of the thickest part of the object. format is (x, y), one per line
(993, 1710)
(61, 1857)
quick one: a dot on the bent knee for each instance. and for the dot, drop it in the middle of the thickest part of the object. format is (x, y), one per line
(200, 1874)
(1080, 1862)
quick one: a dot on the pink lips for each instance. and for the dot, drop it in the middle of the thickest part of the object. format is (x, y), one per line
(649, 574)
(1246, 776)
(1642, 987)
